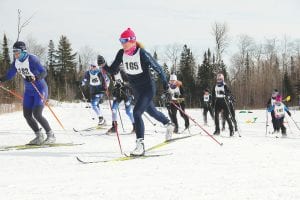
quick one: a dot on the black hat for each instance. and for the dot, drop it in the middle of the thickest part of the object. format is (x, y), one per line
(19, 45)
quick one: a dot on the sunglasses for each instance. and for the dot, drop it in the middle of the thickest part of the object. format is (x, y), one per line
(17, 51)
(125, 40)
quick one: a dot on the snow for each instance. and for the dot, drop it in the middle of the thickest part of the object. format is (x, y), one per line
(254, 166)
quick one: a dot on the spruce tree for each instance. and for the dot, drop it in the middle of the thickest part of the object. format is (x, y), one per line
(187, 75)
(66, 67)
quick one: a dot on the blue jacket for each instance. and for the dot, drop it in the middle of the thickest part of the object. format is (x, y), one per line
(36, 69)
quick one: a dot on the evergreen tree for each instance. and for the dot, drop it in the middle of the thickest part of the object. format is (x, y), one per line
(205, 75)
(66, 67)
(287, 86)
(5, 61)
(52, 79)
(187, 75)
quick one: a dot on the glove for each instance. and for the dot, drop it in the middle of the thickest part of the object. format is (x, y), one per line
(100, 60)
(82, 83)
(30, 79)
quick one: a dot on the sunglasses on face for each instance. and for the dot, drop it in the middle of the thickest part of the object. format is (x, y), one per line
(15, 51)
(125, 40)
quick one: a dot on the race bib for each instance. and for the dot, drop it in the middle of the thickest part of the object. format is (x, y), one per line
(23, 68)
(132, 64)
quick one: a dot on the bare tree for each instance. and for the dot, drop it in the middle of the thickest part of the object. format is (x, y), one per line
(87, 55)
(172, 54)
(21, 25)
(220, 34)
(35, 48)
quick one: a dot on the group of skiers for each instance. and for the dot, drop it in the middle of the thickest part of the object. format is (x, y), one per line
(131, 77)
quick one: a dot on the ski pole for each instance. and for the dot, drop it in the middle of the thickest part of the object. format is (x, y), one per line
(148, 118)
(267, 121)
(11, 92)
(86, 103)
(45, 101)
(295, 123)
(220, 143)
(107, 94)
(289, 127)
(121, 120)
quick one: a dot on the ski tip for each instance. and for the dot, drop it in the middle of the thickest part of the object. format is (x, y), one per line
(221, 144)
(81, 161)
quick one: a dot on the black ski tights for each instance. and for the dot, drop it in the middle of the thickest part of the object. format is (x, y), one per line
(34, 115)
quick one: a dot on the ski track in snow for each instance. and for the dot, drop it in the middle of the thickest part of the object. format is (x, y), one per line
(251, 167)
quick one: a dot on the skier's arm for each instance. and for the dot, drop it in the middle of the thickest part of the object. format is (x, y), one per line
(150, 61)
(271, 108)
(213, 97)
(115, 66)
(287, 110)
(269, 103)
(85, 79)
(181, 91)
(40, 71)
(10, 73)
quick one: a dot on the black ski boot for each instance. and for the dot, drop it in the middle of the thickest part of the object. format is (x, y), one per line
(231, 133)
(113, 128)
(176, 129)
(217, 132)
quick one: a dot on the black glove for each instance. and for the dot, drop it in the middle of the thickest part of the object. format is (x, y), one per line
(221, 92)
(100, 60)
(289, 113)
(30, 78)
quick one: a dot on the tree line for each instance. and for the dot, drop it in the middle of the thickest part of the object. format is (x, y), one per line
(254, 70)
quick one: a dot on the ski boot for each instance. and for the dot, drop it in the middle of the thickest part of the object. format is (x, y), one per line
(169, 131)
(176, 129)
(217, 132)
(139, 149)
(101, 121)
(231, 133)
(38, 140)
(50, 138)
(113, 128)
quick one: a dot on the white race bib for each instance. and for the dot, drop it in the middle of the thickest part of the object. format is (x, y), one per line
(94, 80)
(132, 64)
(279, 110)
(23, 68)
(219, 90)
(206, 98)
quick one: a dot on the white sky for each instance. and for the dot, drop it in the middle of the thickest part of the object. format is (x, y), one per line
(98, 23)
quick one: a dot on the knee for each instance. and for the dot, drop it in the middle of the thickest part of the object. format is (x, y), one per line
(27, 114)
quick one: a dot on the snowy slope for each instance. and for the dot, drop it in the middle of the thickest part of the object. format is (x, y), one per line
(251, 167)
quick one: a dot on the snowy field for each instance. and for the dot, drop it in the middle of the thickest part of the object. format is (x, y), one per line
(254, 166)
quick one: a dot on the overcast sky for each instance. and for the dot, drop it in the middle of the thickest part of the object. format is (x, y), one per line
(98, 23)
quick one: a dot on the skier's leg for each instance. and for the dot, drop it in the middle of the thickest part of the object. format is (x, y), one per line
(28, 103)
(205, 115)
(217, 128)
(186, 119)
(227, 118)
